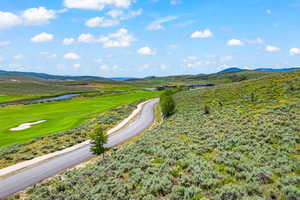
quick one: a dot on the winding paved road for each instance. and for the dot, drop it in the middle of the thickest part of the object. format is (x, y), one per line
(30, 176)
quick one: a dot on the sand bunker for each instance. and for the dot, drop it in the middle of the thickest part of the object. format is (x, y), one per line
(26, 126)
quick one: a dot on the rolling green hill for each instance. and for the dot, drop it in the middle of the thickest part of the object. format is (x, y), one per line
(43, 76)
(222, 78)
(246, 146)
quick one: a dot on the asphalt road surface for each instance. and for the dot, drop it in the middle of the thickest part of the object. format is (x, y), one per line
(30, 176)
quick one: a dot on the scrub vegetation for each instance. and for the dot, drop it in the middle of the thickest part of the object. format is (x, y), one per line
(245, 147)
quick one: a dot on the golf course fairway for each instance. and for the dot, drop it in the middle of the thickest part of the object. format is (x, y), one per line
(59, 116)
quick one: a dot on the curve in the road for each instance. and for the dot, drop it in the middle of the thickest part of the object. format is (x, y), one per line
(33, 175)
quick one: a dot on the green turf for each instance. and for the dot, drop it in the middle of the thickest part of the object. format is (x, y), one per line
(59, 115)
(9, 98)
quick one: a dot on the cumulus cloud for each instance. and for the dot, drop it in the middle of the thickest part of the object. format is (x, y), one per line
(294, 51)
(158, 24)
(68, 41)
(116, 17)
(86, 38)
(4, 43)
(42, 37)
(97, 4)
(146, 51)
(38, 16)
(235, 42)
(71, 56)
(207, 33)
(271, 48)
(31, 16)
(9, 20)
(101, 22)
(115, 13)
(119, 39)
(193, 62)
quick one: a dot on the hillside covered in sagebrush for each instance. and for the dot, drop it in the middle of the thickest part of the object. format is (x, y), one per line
(234, 141)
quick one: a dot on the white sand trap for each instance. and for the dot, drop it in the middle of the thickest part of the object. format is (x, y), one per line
(26, 125)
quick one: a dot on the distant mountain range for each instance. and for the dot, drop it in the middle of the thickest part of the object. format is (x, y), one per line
(43, 76)
(235, 69)
(49, 77)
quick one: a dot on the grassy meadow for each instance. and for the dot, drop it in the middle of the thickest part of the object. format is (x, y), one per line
(62, 115)
(230, 142)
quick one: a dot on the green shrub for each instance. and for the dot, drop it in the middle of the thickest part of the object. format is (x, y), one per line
(167, 105)
(98, 140)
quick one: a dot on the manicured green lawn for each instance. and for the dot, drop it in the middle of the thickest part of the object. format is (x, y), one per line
(11, 98)
(60, 116)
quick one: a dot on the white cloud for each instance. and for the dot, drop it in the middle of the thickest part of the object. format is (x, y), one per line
(146, 51)
(132, 14)
(175, 2)
(9, 20)
(68, 41)
(76, 65)
(38, 16)
(42, 37)
(4, 43)
(96, 4)
(158, 24)
(269, 11)
(19, 57)
(256, 41)
(207, 33)
(86, 38)
(115, 13)
(116, 17)
(294, 51)
(119, 39)
(235, 42)
(101, 22)
(104, 67)
(271, 48)
(71, 56)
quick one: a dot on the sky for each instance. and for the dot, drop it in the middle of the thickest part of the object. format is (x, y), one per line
(138, 38)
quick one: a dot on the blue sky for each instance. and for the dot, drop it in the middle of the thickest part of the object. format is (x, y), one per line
(147, 37)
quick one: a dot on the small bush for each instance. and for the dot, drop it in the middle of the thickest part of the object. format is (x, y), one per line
(167, 105)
